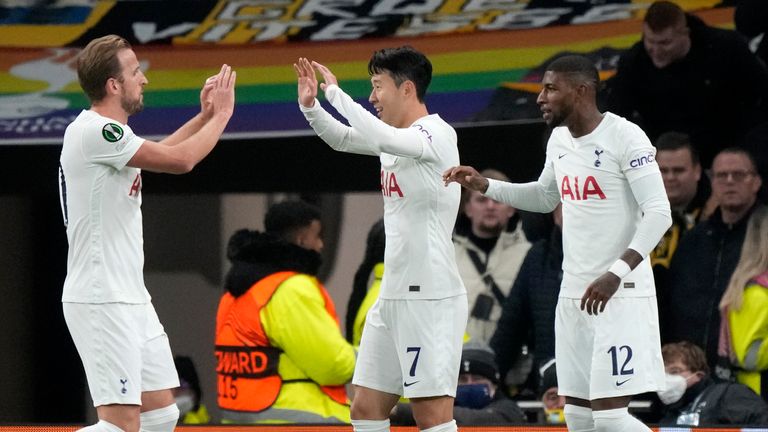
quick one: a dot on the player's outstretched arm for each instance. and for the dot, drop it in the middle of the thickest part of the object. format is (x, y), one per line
(182, 157)
(467, 177)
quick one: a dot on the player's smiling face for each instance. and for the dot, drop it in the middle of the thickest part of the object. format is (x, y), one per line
(556, 98)
(386, 97)
(132, 82)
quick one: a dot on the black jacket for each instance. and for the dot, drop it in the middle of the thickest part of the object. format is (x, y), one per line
(724, 403)
(255, 255)
(699, 273)
(702, 94)
(528, 313)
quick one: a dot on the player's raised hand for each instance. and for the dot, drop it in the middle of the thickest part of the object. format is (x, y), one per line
(307, 81)
(599, 292)
(328, 76)
(467, 177)
(206, 99)
(223, 92)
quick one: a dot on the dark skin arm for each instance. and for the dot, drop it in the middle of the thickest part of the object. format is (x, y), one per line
(603, 288)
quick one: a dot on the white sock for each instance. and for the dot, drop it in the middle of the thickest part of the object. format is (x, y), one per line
(578, 418)
(445, 427)
(101, 426)
(617, 419)
(370, 425)
(160, 420)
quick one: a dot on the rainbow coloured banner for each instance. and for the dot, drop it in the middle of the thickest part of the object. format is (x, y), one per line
(39, 93)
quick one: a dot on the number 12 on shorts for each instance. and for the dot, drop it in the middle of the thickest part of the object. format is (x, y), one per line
(623, 355)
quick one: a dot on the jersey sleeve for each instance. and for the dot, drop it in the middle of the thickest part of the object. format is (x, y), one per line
(379, 136)
(638, 156)
(337, 135)
(110, 143)
(537, 196)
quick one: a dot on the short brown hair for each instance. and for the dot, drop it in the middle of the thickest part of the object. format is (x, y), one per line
(688, 354)
(97, 63)
(663, 15)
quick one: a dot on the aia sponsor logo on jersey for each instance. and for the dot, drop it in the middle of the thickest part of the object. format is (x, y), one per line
(643, 160)
(136, 186)
(389, 186)
(571, 188)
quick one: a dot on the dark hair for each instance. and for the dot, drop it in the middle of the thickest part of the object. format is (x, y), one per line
(675, 141)
(687, 353)
(374, 254)
(97, 63)
(663, 15)
(739, 151)
(403, 64)
(284, 218)
(578, 69)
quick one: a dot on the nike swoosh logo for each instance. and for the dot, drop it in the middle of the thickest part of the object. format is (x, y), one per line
(560, 156)
(619, 384)
(408, 384)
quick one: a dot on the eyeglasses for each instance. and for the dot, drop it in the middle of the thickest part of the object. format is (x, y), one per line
(737, 176)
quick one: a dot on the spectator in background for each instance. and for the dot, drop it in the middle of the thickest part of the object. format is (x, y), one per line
(693, 398)
(702, 69)
(279, 317)
(553, 403)
(528, 315)
(744, 309)
(478, 399)
(488, 257)
(681, 171)
(707, 255)
(367, 283)
(751, 20)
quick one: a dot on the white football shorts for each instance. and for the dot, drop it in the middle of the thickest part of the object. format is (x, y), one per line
(124, 350)
(614, 353)
(412, 348)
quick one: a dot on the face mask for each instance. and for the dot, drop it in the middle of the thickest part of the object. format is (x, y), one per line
(185, 403)
(473, 396)
(554, 416)
(676, 386)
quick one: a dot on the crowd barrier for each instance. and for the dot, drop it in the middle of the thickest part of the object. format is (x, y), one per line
(237, 428)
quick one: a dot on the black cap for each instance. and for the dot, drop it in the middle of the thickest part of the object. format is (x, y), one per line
(480, 360)
(548, 376)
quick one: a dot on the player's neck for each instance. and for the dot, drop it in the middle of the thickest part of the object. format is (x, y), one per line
(585, 123)
(110, 110)
(416, 112)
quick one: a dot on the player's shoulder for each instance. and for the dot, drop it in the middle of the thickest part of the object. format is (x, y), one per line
(99, 128)
(434, 126)
(624, 130)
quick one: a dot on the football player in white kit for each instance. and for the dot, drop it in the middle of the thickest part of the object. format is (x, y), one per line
(412, 339)
(123, 347)
(615, 210)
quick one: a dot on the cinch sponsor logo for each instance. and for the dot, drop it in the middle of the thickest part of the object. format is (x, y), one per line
(642, 160)
(569, 188)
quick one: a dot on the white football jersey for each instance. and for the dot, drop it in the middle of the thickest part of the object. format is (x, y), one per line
(592, 175)
(101, 205)
(419, 210)
(419, 216)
